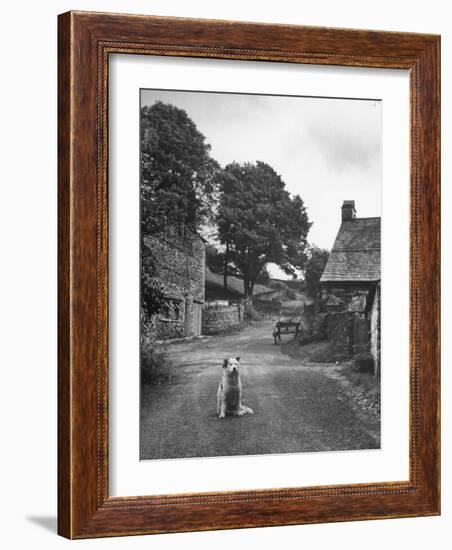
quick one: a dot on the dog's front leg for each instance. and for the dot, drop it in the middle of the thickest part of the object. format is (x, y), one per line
(221, 405)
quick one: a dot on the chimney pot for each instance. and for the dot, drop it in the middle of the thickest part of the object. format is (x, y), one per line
(348, 211)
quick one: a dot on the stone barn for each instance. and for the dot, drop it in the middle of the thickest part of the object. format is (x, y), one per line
(180, 265)
(350, 284)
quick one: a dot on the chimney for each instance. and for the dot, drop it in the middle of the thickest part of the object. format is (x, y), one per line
(348, 211)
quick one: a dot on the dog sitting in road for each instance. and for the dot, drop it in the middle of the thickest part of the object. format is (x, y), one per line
(229, 396)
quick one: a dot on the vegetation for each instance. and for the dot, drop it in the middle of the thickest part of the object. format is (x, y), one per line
(152, 289)
(152, 298)
(312, 352)
(366, 388)
(363, 362)
(247, 206)
(256, 219)
(264, 277)
(177, 186)
(155, 367)
(177, 172)
(259, 222)
(316, 262)
(215, 287)
(288, 293)
(214, 259)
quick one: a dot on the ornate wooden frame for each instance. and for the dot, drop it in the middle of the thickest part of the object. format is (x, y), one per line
(85, 42)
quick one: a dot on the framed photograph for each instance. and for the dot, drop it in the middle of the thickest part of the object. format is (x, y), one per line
(248, 275)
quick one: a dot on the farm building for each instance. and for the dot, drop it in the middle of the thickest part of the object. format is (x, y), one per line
(180, 265)
(350, 283)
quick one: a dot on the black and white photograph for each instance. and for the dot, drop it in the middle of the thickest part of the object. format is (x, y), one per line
(260, 274)
(224, 236)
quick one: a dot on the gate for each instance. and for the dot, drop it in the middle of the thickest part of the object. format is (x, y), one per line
(197, 318)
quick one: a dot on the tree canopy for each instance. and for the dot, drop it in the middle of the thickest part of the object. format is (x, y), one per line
(259, 222)
(256, 219)
(315, 265)
(177, 171)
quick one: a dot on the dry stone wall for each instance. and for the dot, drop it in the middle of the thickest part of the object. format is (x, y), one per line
(340, 328)
(218, 317)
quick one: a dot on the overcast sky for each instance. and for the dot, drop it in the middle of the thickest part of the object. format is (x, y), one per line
(326, 150)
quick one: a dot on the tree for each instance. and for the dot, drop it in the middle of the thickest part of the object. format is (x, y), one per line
(264, 277)
(315, 265)
(259, 222)
(177, 173)
(214, 259)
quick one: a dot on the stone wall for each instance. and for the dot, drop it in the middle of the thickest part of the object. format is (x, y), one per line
(217, 317)
(180, 265)
(375, 330)
(167, 329)
(340, 331)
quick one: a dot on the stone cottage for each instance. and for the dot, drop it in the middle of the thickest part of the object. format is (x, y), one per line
(350, 284)
(180, 265)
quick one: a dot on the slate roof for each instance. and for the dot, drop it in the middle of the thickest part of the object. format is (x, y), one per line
(355, 255)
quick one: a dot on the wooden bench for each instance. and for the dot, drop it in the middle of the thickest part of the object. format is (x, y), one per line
(285, 327)
(289, 321)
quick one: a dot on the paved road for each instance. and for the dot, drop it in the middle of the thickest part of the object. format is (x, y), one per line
(296, 408)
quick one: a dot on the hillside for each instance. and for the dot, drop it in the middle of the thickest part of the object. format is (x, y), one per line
(214, 285)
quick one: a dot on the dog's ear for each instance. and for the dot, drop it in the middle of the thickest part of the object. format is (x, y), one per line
(238, 358)
(225, 363)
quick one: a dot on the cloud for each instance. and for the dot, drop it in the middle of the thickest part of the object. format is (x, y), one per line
(326, 150)
(343, 149)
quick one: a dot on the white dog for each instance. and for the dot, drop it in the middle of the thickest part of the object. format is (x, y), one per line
(229, 395)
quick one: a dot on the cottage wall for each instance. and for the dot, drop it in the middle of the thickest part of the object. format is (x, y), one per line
(375, 330)
(180, 265)
(343, 303)
(344, 297)
(166, 329)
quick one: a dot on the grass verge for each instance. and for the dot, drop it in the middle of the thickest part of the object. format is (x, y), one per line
(156, 368)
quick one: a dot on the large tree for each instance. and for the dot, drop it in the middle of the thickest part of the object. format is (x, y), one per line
(316, 262)
(260, 222)
(177, 171)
